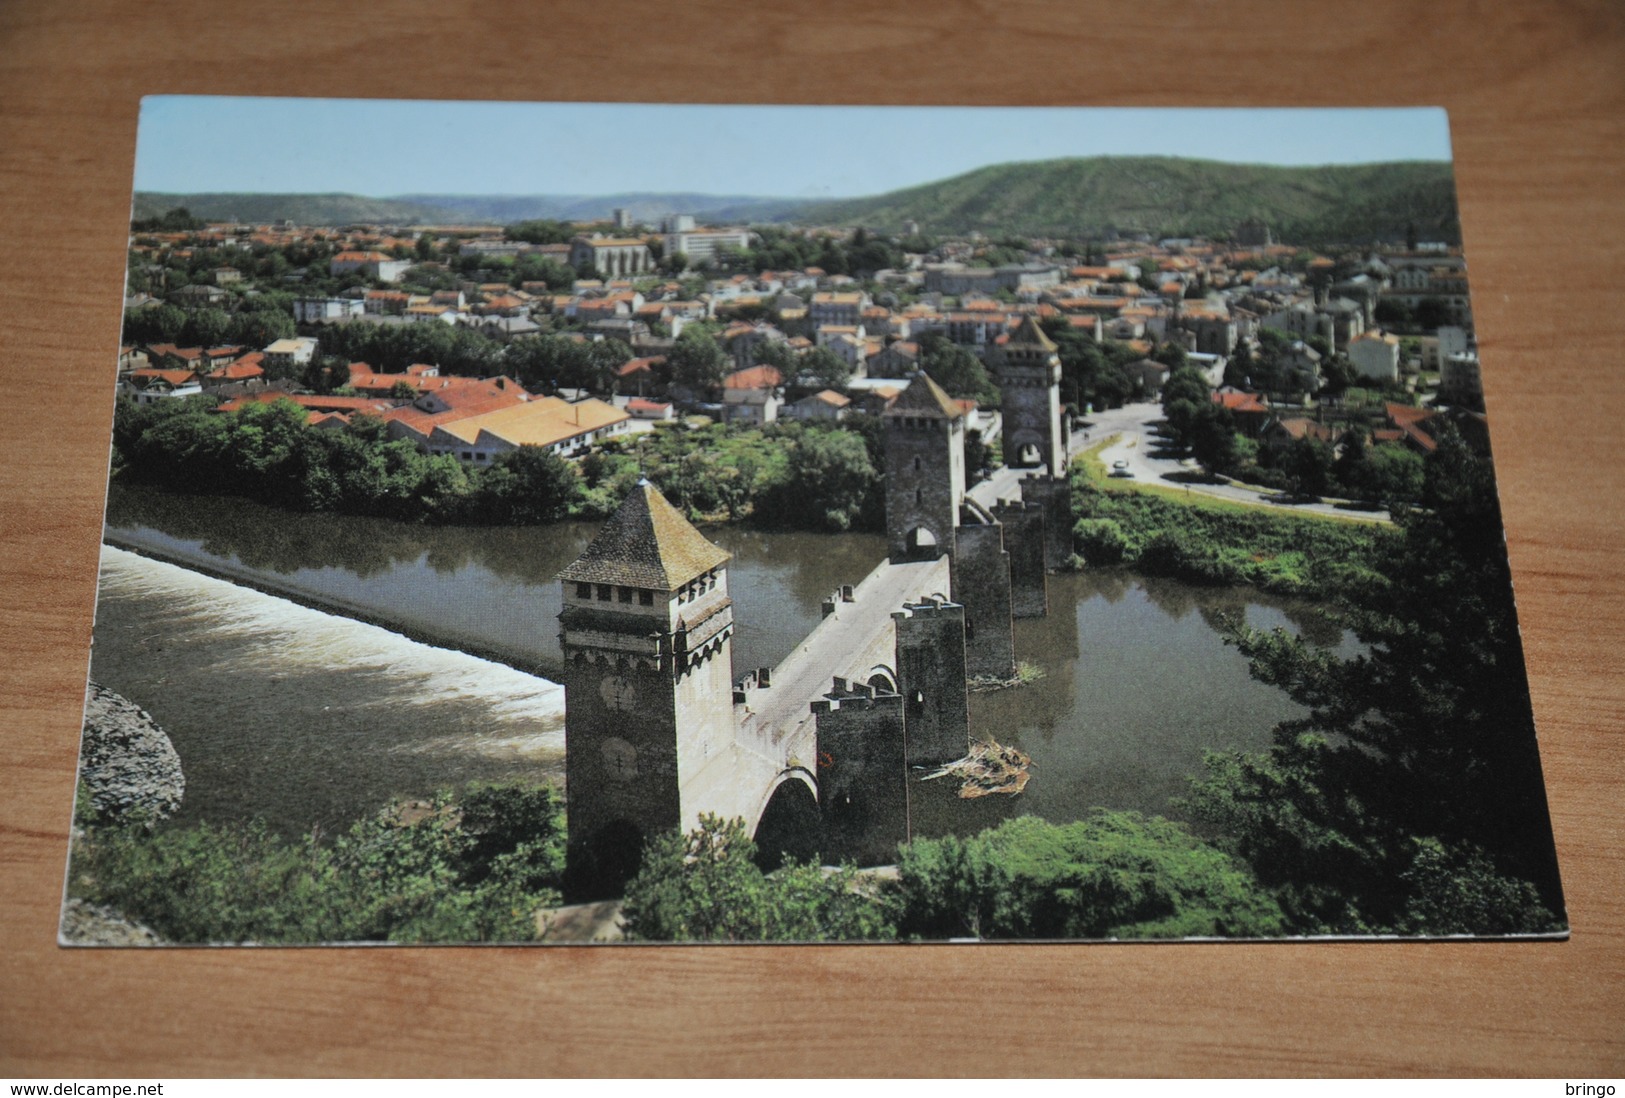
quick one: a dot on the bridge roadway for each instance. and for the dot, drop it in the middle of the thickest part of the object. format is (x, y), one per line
(776, 732)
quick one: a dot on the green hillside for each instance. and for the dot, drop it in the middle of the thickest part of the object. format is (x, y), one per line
(302, 209)
(1167, 196)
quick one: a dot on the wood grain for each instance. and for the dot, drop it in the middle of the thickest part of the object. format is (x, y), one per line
(1536, 100)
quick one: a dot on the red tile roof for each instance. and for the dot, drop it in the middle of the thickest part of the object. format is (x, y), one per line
(756, 377)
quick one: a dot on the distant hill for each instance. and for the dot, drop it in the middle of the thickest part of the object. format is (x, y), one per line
(303, 209)
(455, 209)
(1167, 196)
(645, 207)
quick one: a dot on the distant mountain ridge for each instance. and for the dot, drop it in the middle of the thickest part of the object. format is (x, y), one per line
(454, 209)
(1168, 196)
(1078, 197)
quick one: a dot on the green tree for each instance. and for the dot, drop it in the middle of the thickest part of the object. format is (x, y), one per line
(822, 368)
(207, 327)
(1113, 875)
(526, 486)
(706, 886)
(829, 483)
(956, 369)
(463, 869)
(1428, 736)
(696, 361)
(1308, 466)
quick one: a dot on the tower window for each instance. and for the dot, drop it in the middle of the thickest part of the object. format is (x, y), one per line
(919, 495)
(916, 463)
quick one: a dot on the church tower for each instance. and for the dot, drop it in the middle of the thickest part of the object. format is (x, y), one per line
(646, 632)
(1029, 377)
(925, 470)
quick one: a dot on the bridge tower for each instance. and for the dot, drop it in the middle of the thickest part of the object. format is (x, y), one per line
(646, 631)
(1028, 372)
(925, 470)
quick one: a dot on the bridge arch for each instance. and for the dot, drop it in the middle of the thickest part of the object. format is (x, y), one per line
(921, 539)
(1025, 450)
(882, 678)
(789, 823)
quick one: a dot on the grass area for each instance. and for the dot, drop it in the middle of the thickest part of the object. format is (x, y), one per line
(1166, 531)
(1094, 470)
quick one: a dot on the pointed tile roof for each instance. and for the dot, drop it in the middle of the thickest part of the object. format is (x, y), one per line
(1030, 334)
(926, 399)
(646, 543)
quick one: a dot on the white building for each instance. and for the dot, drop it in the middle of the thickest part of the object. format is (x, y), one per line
(1375, 355)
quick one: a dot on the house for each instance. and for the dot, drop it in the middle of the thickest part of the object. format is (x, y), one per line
(1149, 377)
(1280, 433)
(1375, 354)
(639, 408)
(312, 310)
(1300, 364)
(1249, 411)
(826, 405)
(287, 354)
(837, 308)
(896, 359)
(151, 385)
(316, 406)
(505, 329)
(639, 375)
(195, 297)
(372, 264)
(246, 368)
(555, 425)
(391, 302)
(753, 396)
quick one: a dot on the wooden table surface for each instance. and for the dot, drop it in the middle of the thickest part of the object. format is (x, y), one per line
(1536, 94)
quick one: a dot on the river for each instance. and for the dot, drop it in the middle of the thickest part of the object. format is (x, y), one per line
(306, 719)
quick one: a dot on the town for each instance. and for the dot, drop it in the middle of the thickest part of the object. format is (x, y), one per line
(1320, 372)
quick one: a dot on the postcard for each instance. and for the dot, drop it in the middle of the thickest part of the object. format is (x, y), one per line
(663, 523)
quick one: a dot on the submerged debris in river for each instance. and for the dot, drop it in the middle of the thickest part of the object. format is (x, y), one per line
(989, 767)
(1025, 675)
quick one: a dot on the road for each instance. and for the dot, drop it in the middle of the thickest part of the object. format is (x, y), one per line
(1136, 443)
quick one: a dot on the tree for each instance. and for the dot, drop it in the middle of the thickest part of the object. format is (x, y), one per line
(822, 368)
(526, 486)
(1113, 875)
(828, 483)
(207, 327)
(696, 361)
(261, 327)
(1184, 396)
(706, 886)
(1308, 466)
(604, 358)
(956, 369)
(1427, 737)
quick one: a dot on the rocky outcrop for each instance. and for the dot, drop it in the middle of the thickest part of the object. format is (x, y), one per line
(88, 924)
(126, 761)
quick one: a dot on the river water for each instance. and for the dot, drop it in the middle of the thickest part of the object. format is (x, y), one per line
(305, 718)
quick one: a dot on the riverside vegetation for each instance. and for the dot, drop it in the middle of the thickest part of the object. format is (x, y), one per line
(785, 475)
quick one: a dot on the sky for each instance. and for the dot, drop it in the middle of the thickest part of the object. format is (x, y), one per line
(381, 148)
